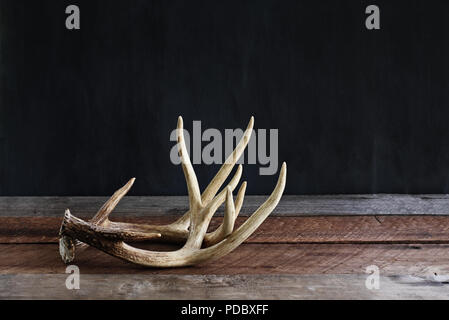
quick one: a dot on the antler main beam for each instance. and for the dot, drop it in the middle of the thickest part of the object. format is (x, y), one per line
(191, 228)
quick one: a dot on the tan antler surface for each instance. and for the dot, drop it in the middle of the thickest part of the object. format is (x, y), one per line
(190, 229)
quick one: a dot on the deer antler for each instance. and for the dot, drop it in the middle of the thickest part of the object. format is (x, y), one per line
(191, 228)
(178, 231)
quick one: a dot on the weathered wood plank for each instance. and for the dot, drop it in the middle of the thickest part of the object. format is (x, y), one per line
(332, 229)
(392, 259)
(51, 286)
(381, 204)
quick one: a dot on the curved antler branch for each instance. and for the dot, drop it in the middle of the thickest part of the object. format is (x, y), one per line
(189, 173)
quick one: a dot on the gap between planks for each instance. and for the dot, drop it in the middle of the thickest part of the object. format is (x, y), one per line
(290, 205)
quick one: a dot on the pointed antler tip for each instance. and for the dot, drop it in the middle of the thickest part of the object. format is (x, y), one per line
(130, 182)
(251, 122)
(283, 172)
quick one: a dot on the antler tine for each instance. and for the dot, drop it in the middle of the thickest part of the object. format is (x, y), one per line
(227, 166)
(239, 198)
(103, 214)
(109, 233)
(230, 215)
(189, 173)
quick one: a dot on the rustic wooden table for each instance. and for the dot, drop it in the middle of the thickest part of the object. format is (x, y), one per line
(311, 247)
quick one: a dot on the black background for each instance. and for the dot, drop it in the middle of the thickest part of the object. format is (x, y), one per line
(358, 111)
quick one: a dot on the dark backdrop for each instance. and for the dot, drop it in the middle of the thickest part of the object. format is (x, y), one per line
(358, 111)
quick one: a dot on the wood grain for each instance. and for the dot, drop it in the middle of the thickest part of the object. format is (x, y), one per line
(333, 229)
(346, 286)
(312, 247)
(290, 205)
(392, 259)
